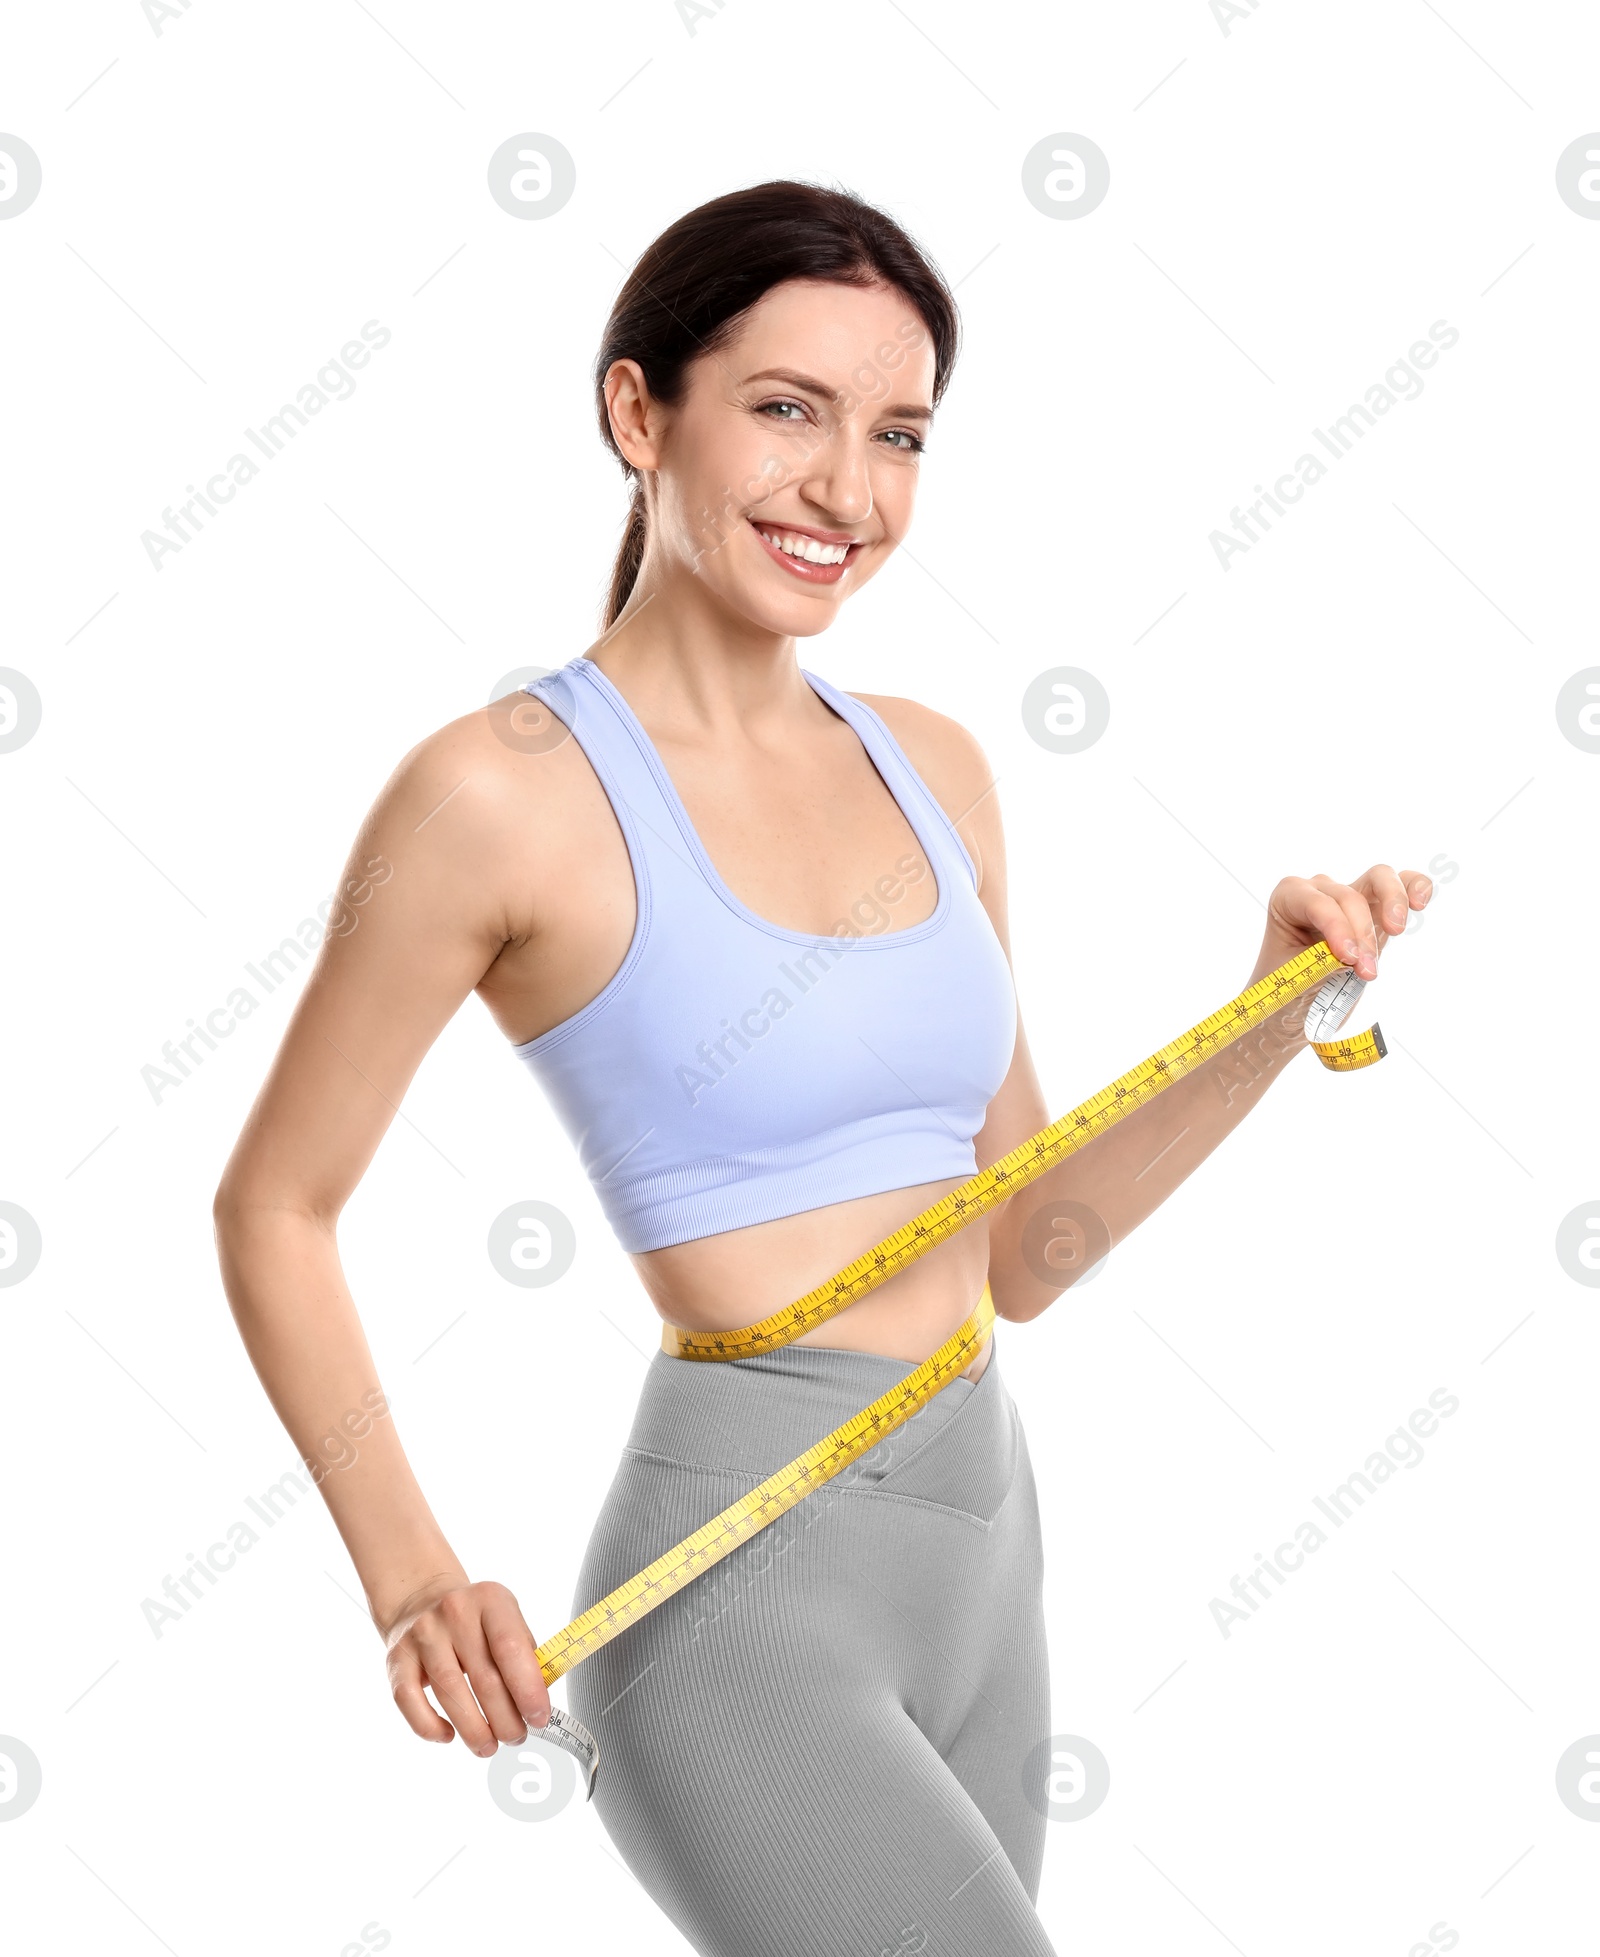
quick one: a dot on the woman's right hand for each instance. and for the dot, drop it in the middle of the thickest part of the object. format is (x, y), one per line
(464, 1639)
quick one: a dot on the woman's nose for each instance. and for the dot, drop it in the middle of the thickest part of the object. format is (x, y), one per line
(839, 482)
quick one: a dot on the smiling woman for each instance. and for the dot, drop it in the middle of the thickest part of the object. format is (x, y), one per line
(867, 381)
(640, 864)
(789, 251)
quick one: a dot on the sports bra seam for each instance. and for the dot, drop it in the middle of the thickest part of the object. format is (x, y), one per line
(898, 757)
(922, 787)
(712, 877)
(628, 822)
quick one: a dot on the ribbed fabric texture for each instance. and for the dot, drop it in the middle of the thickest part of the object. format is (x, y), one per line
(817, 1747)
(732, 1071)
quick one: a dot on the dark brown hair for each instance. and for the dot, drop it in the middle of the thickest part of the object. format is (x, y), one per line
(690, 289)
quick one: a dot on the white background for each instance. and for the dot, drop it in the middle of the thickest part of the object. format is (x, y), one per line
(1373, 1753)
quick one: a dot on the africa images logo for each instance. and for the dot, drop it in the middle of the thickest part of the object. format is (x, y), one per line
(1401, 382)
(1402, 1448)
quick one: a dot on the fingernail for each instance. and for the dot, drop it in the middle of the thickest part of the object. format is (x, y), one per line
(1351, 947)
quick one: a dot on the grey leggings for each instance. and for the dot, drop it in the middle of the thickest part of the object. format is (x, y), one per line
(818, 1748)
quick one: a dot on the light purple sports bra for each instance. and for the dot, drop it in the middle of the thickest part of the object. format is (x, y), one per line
(732, 1071)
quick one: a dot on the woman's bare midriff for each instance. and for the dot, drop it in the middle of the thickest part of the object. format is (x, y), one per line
(714, 1284)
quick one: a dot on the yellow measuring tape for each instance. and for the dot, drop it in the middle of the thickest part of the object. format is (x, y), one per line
(780, 1492)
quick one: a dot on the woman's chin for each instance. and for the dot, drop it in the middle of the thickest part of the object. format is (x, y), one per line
(800, 614)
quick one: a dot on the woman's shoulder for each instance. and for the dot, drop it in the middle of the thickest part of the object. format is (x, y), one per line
(946, 754)
(491, 783)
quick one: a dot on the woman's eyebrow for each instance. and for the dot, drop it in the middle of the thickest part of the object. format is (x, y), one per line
(907, 410)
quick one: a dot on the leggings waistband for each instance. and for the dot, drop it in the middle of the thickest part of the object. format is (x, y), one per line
(752, 1416)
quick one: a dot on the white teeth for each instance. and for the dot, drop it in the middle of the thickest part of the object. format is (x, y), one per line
(792, 544)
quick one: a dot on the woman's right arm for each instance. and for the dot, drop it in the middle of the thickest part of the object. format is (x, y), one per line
(438, 884)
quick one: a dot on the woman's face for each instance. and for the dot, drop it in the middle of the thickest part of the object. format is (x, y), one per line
(786, 473)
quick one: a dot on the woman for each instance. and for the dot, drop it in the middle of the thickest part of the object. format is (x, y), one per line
(749, 932)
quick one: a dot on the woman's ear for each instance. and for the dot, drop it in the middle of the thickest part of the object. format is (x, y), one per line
(634, 414)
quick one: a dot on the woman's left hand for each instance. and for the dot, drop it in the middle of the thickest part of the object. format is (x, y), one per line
(1357, 919)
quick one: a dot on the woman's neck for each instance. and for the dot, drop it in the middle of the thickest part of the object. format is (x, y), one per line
(688, 666)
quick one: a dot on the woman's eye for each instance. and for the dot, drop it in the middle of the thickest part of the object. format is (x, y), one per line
(767, 407)
(913, 445)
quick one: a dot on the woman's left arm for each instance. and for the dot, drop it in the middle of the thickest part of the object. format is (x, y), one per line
(1118, 1179)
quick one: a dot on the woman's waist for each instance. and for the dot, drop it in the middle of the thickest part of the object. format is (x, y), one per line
(741, 1277)
(754, 1415)
(906, 1329)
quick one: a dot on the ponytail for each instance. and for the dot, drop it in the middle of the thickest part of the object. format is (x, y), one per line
(630, 555)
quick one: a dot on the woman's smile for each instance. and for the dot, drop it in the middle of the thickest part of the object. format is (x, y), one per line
(817, 556)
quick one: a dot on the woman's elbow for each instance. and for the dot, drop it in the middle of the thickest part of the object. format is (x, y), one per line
(1018, 1304)
(241, 1200)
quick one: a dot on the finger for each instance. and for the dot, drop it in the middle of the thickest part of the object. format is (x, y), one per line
(1349, 929)
(1358, 911)
(1419, 887)
(405, 1682)
(1387, 897)
(516, 1657)
(483, 1670)
(445, 1673)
